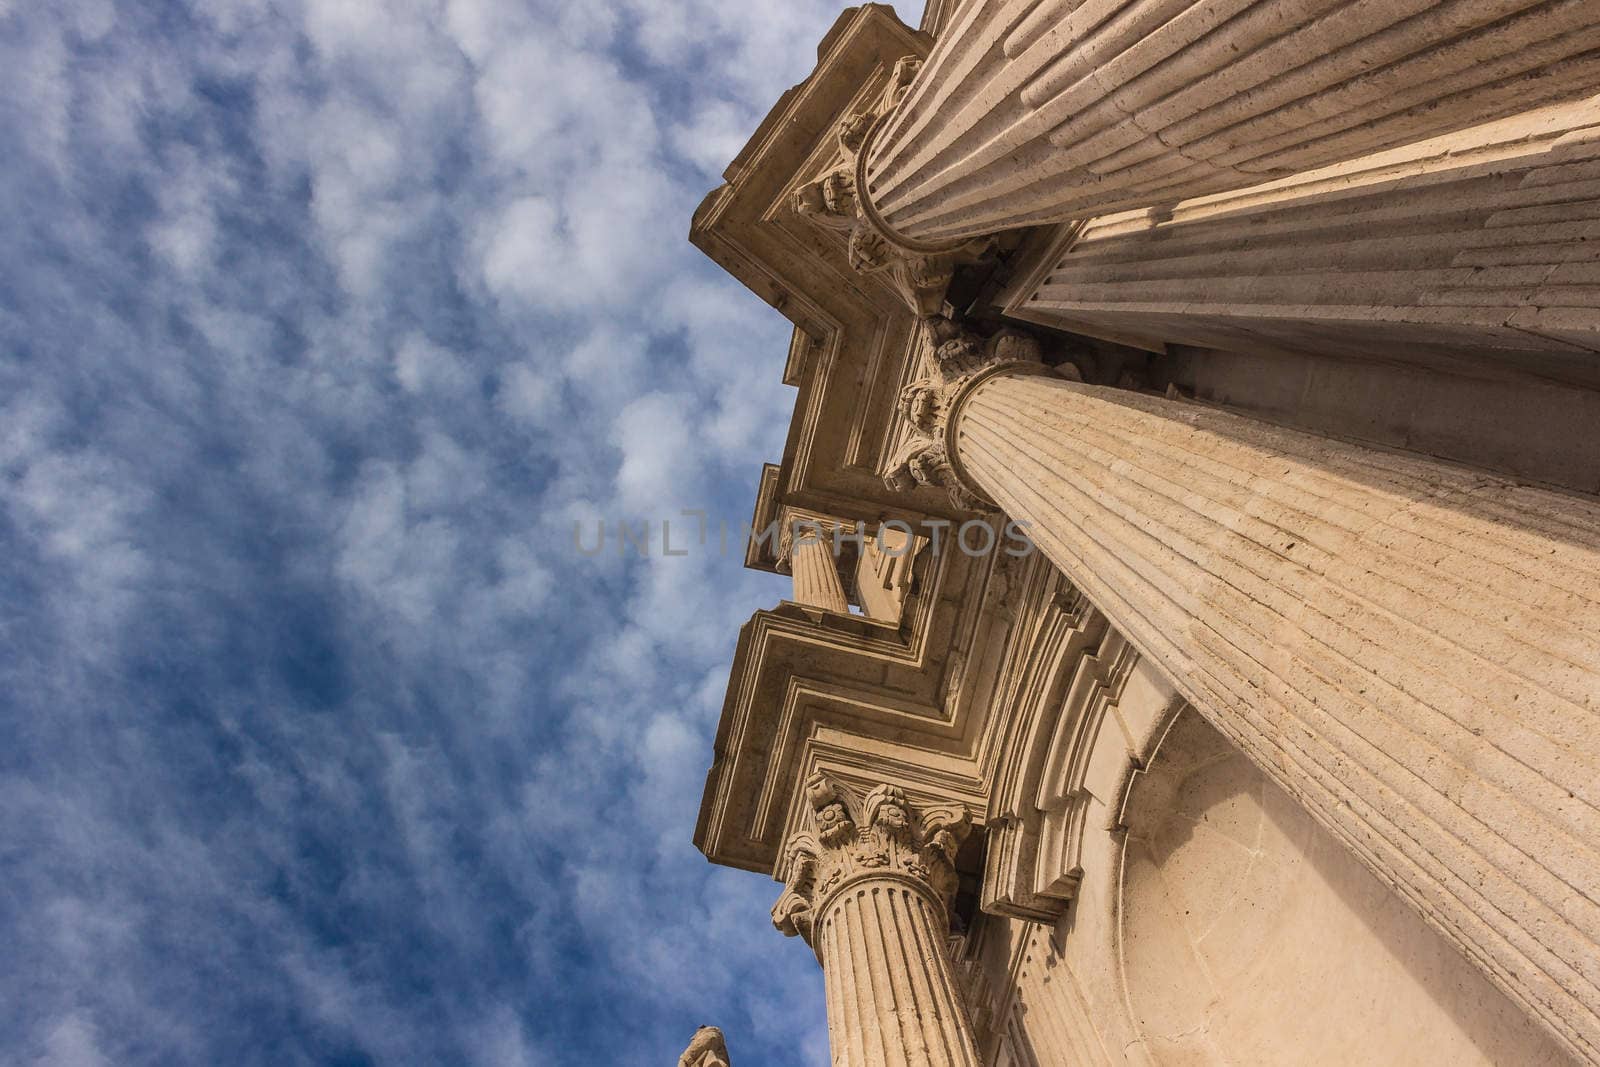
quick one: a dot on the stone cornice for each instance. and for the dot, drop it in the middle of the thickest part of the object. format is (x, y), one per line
(801, 676)
(856, 341)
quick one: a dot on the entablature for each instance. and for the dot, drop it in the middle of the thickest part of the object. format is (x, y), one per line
(802, 677)
(856, 342)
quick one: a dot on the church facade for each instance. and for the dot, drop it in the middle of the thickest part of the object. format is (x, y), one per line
(1193, 507)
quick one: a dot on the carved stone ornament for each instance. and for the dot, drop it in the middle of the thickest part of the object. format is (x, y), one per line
(959, 357)
(805, 531)
(850, 838)
(706, 1049)
(921, 271)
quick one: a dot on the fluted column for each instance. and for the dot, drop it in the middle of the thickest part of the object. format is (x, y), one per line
(1034, 111)
(1411, 649)
(816, 576)
(1482, 241)
(869, 884)
(807, 551)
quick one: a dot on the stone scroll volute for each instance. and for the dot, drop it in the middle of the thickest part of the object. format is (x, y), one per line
(958, 359)
(839, 201)
(850, 837)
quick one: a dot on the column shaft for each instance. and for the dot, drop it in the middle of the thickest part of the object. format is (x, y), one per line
(891, 995)
(868, 886)
(1411, 649)
(1033, 111)
(816, 575)
(1487, 246)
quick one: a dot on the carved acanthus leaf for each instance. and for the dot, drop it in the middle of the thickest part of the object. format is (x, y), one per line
(957, 354)
(849, 837)
(835, 201)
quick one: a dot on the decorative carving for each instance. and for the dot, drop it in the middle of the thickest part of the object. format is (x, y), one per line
(706, 1049)
(829, 202)
(1007, 576)
(802, 530)
(833, 824)
(958, 354)
(879, 835)
(838, 201)
(1069, 766)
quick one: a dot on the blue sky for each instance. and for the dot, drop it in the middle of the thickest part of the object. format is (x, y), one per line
(322, 322)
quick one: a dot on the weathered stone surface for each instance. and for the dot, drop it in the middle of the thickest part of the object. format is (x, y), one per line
(869, 887)
(1478, 248)
(1034, 111)
(706, 1049)
(1408, 648)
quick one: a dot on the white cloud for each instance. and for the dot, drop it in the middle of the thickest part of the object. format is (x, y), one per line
(424, 367)
(80, 510)
(713, 135)
(72, 1043)
(527, 395)
(526, 253)
(500, 1040)
(662, 460)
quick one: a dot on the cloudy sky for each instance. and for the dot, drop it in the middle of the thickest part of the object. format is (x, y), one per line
(321, 323)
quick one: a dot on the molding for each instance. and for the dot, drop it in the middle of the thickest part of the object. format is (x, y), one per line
(855, 341)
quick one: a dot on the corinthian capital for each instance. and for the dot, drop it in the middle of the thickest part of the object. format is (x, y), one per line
(959, 358)
(840, 200)
(849, 838)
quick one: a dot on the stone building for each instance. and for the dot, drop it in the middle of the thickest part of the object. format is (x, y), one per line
(1275, 324)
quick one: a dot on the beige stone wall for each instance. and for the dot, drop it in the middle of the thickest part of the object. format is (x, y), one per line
(1250, 936)
(1398, 862)
(1226, 928)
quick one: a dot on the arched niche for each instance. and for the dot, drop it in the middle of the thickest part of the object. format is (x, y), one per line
(1249, 935)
